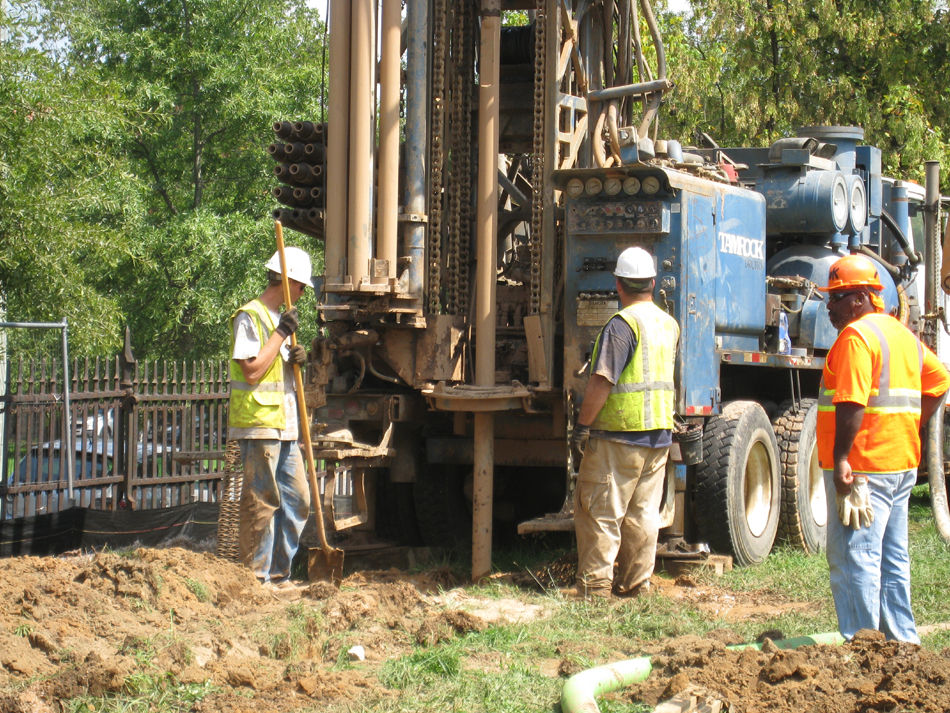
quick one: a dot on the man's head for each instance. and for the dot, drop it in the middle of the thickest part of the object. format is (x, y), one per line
(635, 273)
(853, 290)
(299, 271)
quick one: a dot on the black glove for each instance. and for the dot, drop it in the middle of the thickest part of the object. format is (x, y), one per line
(288, 323)
(579, 439)
(298, 355)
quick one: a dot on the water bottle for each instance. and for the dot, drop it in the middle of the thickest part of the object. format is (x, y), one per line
(784, 343)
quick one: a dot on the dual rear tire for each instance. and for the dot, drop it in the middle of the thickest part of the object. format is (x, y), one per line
(737, 489)
(760, 480)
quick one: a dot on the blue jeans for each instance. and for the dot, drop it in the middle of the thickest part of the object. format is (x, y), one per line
(870, 567)
(275, 505)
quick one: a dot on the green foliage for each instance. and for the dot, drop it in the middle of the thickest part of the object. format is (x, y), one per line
(65, 193)
(145, 694)
(134, 185)
(751, 71)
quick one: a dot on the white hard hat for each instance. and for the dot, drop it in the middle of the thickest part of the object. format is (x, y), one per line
(635, 264)
(298, 265)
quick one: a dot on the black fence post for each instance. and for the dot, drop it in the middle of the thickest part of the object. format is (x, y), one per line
(125, 422)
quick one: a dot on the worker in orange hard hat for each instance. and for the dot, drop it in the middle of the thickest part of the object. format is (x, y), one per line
(849, 276)
(878, 386)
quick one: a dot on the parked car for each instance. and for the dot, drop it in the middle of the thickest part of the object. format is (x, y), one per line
(44, 464)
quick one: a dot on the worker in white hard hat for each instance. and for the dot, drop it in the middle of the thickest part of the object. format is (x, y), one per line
(275, 497)
(623, 436)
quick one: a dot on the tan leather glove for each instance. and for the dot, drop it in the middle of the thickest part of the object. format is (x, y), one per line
(854, 509)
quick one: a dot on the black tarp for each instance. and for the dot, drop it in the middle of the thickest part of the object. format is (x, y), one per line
(85, 529)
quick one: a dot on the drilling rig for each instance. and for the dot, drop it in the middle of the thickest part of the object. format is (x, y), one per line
(474, 185)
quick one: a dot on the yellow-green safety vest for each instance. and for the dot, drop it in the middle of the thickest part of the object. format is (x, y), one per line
(643, 397)
(259, 405)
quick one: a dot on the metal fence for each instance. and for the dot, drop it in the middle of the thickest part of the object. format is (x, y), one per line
(145, 434)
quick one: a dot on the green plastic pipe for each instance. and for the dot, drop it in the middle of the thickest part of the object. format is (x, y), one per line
(581, 690)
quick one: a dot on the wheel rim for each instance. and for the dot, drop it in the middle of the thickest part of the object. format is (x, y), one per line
(817, 499)
(758, 488)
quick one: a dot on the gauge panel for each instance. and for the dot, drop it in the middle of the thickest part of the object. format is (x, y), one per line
(618, 217)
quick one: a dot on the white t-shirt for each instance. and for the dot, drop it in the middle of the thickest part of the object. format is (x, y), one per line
(248, 344)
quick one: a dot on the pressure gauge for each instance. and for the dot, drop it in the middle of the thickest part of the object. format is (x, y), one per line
(631, 186)
(840, 203)
(858, 215)
(594, 186)
(612, 186)
(575, 187)
(651, 184)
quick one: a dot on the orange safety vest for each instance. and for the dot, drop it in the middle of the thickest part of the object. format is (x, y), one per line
(889, 438)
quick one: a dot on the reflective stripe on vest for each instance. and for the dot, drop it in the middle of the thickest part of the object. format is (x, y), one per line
(883, 399)
(643, 397)
(261, 404)
(887, 440)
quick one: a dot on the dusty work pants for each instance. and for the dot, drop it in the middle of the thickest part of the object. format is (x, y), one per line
(275, 504)
(616, 514)
(870, 567)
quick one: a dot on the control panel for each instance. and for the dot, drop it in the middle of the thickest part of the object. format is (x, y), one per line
(618, 217)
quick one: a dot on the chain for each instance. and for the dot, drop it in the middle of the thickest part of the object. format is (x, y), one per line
(460, 193)
(537, 167)
(464, 157)
(435, 156)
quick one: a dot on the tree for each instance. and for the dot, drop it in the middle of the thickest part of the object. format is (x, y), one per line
(210, 76)
(751, 71)
(66, 197)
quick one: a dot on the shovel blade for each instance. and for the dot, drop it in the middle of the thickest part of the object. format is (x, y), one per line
(325, 566)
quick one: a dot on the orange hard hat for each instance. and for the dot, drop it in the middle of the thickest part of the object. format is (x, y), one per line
(852, 271)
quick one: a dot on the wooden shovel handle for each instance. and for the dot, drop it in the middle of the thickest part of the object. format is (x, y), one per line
(301, 402)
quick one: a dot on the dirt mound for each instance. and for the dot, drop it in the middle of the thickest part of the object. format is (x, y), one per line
(867, 674)
(93, 624)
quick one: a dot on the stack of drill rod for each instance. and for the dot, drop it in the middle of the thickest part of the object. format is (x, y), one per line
(301, 156)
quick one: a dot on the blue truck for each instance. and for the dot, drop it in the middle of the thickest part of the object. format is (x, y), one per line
(471, 225)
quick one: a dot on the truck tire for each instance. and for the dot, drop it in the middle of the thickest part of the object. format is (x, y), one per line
(443, 513)
(737, 493)
(804, 517)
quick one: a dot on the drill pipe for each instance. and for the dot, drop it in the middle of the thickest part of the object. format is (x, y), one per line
(295, 152)
(308, 131)
(315, 153)
(283, 129)
(285, 195)
(304, 196)
(306, 175)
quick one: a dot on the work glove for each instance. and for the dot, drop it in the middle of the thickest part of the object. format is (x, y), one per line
(288, 323)
(298, 355)
(854, 509)
(579, 438)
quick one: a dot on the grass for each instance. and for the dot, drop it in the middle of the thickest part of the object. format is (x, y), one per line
(145, 693)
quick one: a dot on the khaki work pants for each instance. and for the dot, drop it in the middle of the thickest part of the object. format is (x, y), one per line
(616, 514)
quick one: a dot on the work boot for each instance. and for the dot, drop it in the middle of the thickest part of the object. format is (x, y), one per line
(639, 590)
(586, 593)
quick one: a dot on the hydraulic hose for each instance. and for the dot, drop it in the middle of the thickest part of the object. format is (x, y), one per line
(915, 258)
(580, 691)
(935, 474)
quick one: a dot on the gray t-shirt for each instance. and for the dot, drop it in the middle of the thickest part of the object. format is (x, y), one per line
(248, 344)
(617, 346)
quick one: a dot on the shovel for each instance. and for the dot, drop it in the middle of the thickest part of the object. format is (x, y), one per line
(325, 563)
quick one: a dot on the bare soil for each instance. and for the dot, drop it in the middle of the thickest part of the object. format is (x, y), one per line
(80, 625)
